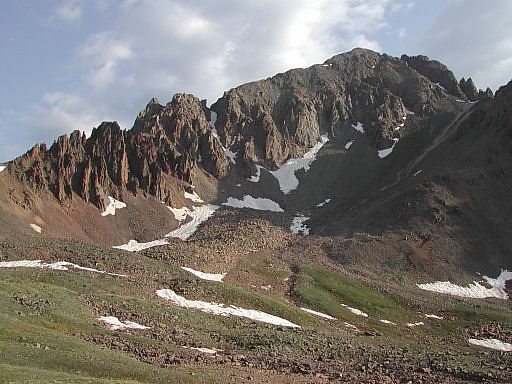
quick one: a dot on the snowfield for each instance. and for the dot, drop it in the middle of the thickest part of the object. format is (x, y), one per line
(358, 127)
(222, 310)
(319, 314)
(112, 206)
(260, 204)
(298, 226)
(355, 311)
(180, 214)
(492, 344)
(412, 325)
(135, 246)
(474, 290)
(117, 325)
(326, 201)
(58, 266)
(193, 196)
(228, 152)
(286, 174)
(36, 228)
(387, 322)
(203, 350)
(347, 146)
(386, 152)
(429, 316)
(205, 276)
(256, 178)
(2, 167)
(199, 215)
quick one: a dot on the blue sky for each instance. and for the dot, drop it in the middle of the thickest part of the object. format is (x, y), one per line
(70, 64)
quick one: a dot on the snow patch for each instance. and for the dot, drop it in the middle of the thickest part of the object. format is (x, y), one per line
(2, 167)
(355, 311)
(387, 322)
(286, 174)
(441, 87)
(222, 310)
(260, 204)
(57, 266)
(193, 196)
(417, 172)
(350, 101)
(407, 112)
(112, 206)
(351, 326)
(386, 152)
(115, 324)
(228, 152)
(256, 178)
(412, 325)
(430, 316)
(474, 290)
(135, 246)
(204, 350)
(319, 314)
(347, 146)
(266, 287)
(492, 344)
(323, 203)
(205, 276)
(358, 127)
(36, 228)
(298, 226)
(199, 215)
(180, 214)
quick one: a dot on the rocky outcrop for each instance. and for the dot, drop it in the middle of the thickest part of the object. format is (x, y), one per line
(487, 94)
(469, 89)
(271, 120)
(264, 122)
(162, 149)
(435, 71)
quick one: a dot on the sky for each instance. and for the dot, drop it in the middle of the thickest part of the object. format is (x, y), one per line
(71, 64)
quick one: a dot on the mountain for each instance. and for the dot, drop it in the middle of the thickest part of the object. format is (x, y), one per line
(347, 188)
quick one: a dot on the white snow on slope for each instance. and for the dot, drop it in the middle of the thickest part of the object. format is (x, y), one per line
(260, 204)
(180, 214)
(221, 309)
(440, 86)
(319, 314)
(135, 246)
(355, 311)
(58, 266)
(349, 144)
(412, 325)
(387, 322)
(492, 344)
(228, 152)
(199, 215)
(298, 226)
(385, 152)
(474, 290)
(36, 228)
(2, 167)
(115, 324)
(205, 276)
(112, 206)
(417, 172)
(351, 326)
(323, 203)
(256, 178)
(350, 101)
(430, 316)
(203, 350)
(286, 174)
(358, 127)
(409, 112)
(193, 196)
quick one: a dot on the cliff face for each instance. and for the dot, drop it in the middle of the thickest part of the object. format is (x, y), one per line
(270, 120)
(263, 122)
(163, 147)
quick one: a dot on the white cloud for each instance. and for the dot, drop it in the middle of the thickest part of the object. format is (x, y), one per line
(103, 53)
(69, 11)
(60, 113)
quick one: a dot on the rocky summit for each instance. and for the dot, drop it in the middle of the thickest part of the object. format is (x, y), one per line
(346, 222)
